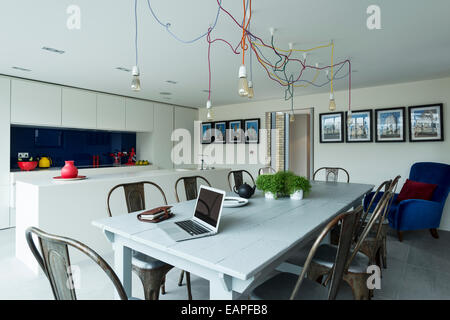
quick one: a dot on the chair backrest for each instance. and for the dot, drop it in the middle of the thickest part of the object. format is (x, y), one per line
(348, 221)
(190, 187)
(266, 170)
(432, 172)
(332, 173)
(54, 260)
(238, 176)
(375, 220)
(134, 195)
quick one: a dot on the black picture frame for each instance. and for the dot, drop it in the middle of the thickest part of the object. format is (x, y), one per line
(402, 121)
(247, 132)
(209, 138)
(232, 135)
(321, 127)
(439, 134)
(223, 132)
(370, 129)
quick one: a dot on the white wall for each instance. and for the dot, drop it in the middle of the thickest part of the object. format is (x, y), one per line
(366, 162)
(298, 145)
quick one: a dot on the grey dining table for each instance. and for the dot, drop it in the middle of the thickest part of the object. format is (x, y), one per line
(252, 241)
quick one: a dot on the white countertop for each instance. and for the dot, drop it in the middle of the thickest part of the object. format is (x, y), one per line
(92, 176)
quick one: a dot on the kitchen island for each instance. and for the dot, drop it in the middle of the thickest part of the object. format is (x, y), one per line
(68, 208)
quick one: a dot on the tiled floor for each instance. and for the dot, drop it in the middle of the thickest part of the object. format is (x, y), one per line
(418, 268)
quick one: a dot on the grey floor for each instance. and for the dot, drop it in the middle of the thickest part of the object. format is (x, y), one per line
(418, 268)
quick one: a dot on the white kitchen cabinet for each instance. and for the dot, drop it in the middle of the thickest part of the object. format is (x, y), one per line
(139, 115)
(161, 143)
(184, 118)
(4, 145)
(110, 112)
(79, 108)
(34, 103)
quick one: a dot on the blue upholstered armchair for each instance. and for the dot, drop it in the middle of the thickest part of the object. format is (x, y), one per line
(415, 214)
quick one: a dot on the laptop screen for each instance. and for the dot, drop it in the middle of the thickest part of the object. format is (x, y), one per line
(208, 206)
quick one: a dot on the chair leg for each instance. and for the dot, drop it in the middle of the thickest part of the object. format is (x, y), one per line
(180, 281)
(358, 283)
(434, 233)
(152, 280)
(163, 285)
(316, 272)
(188, 284)
(384, 253)
(400, 235)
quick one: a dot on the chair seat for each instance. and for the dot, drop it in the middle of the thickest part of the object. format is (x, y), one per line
(326, 254)
(143, 261)
(280, 287)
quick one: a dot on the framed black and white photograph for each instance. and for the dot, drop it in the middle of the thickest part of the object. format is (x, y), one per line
(426, 123)
(235, 131)
(390, 125)
(220, 132)
(359, 128)
(206, 136)
(251, 130)
(331, 127)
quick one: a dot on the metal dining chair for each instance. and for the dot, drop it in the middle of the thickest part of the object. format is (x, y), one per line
(266, 170)
(191, 192)
(332, 173)
(285, 286)
(152, 272)
(238, 176)
(356, 267)
(53, 258)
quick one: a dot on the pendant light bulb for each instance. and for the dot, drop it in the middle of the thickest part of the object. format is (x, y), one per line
(135, 82)
(251, 93)
(332, 105)
(291, 117)
(209, 113)
(243, 84)
(349, 117)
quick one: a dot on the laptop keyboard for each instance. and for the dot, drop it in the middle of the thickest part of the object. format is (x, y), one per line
(191, 227)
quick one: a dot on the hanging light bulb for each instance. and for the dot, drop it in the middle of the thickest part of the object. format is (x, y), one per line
(349, 117)
(251, 93)
(209, 113)
(136, 82)
(332, 105)
(291, 117)
(243, 84)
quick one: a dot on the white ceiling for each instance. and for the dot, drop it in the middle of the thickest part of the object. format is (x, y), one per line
(414, 44)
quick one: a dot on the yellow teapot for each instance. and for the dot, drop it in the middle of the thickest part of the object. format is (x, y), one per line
(45, 162)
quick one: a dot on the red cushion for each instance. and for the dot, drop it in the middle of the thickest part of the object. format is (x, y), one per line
(416, 190)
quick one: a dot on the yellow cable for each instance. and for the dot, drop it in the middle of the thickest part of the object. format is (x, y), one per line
(298, 50)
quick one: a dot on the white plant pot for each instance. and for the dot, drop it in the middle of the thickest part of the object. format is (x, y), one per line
(269, 195)
(297, 195)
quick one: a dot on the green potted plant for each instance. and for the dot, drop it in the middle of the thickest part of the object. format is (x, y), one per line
(271, 184)
(297, 187)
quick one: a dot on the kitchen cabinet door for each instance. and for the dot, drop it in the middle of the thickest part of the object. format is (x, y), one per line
(184, 118)
(139, 115)
(161, 143)
(79, 109)
(4, 145)
(110, 112)
(34, 103)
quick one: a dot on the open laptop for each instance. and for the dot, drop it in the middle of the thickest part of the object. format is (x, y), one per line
(205, 220)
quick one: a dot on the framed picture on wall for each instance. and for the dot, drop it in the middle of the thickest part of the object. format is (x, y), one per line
(331, 127)
(390, 125)
(220, 132)
(359, 128)
(426, 123)
(206, 136)
(235, 131)
(251, 130)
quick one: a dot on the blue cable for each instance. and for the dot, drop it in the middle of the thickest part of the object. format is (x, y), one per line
(167, 25)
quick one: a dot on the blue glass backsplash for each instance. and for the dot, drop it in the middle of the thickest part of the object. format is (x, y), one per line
(69, 144)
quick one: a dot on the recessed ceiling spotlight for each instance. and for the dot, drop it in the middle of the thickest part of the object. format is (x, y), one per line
(355, 70)
(165, 93)
(206, 91)
(21, 69)
(172, 82)
(123, 69)
(53, 50)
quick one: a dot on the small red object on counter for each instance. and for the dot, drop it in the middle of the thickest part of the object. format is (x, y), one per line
(69, 171)
(27, 165)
